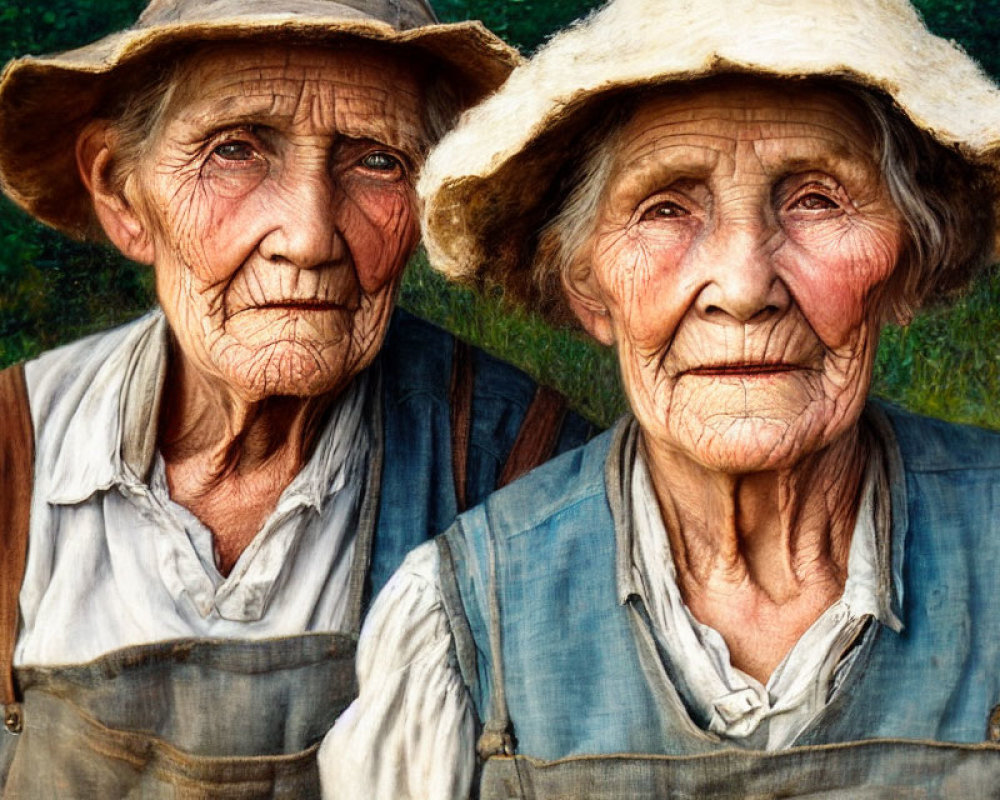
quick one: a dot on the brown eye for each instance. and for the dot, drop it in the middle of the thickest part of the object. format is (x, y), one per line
(235, 151)
(814, 202)
(664, 210)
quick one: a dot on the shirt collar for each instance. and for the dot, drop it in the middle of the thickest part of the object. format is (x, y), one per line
(111, 438)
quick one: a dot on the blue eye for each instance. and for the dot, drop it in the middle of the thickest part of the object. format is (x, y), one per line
(235, 151)
(381, 162)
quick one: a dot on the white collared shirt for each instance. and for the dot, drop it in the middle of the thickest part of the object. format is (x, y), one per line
(412, 734)
(113, 561)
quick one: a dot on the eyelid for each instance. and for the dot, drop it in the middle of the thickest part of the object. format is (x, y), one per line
(400, 171)
(249, 133)
(664, 197)
(357, 148)
(794, 187)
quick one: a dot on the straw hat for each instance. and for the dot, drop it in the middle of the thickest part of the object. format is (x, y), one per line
(488, 186)
(46, 101)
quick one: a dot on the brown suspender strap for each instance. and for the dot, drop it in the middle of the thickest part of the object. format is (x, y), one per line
(462, 378)
(17, 459)
(536, 441)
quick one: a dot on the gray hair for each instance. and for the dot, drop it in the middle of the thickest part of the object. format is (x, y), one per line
(946, 204)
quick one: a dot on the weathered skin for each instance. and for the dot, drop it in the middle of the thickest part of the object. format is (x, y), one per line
(277, 207)
(739, 263)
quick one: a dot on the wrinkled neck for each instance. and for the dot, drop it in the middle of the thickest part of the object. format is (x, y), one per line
(205, 421)
(778, 531)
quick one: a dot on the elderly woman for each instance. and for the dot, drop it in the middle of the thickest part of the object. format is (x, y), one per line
(220, 485)
(758, 584)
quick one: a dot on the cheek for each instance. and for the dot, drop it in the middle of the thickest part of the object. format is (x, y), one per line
(381, 230)
(837, 283)
(212, 228)
(642, 279)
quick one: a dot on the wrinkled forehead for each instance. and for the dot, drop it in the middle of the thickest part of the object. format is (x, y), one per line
(350, 90)
(780, 118)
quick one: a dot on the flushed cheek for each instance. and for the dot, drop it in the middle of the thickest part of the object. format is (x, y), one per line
(841, 293)
(213, 234)
(381, 232)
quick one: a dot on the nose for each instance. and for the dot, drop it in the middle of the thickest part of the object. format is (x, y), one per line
(304, 228)
(739, 279)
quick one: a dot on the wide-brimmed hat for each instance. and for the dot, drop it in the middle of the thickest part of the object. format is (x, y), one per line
(488, 186)
(45, 101)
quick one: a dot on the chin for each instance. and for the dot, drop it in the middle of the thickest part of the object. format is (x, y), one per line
(740, 444)
(290, 369)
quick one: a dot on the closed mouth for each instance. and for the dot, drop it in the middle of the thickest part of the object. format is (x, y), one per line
(742, 370)
(297, 305)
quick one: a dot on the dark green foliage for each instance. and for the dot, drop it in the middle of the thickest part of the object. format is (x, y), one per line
(974, 24)
(53, 290)
(523, 23)
(56, 290)
(46, 27)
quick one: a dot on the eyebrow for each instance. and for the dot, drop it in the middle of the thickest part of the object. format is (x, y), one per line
(835, 157)
(685, 158)
(277, 109)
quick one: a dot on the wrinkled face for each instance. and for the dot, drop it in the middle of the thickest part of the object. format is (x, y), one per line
(738, 263)
(280, 198)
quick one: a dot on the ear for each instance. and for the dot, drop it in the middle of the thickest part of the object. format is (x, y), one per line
(585, 299)
(95, 149)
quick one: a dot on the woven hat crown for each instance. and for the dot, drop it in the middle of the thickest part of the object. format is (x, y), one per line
(400, 14)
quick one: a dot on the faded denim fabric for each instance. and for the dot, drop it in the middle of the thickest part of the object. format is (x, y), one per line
(870, 770)
(418, 490)
(581, 675)
(190, 718)
(240, 718)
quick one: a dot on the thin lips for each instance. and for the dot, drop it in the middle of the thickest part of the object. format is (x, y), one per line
(306, 303)
(743, 368)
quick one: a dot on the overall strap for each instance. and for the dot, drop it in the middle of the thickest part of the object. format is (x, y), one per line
(17, 459)
(368, 516)
(536, 439)
(463, 377)
(497, 738)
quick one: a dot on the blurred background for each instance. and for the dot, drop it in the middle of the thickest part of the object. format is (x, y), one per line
(52, 290)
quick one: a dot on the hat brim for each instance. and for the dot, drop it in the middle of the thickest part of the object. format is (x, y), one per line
(48, 100)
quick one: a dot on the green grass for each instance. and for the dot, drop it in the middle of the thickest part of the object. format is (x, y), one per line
(946, 363)
(580, 368)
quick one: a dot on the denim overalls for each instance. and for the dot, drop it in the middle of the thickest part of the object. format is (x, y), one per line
(243, 718)
(577, 700)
